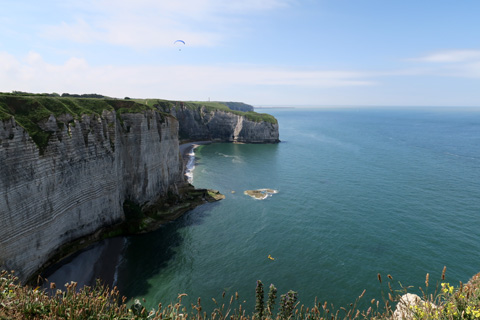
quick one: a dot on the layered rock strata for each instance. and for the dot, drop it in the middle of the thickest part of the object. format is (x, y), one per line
(80, 182)
(74, 170)
(200, 123)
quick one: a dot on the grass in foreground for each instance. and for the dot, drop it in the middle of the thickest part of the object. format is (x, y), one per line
(99, 302)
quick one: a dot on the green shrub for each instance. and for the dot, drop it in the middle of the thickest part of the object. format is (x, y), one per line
(100, 302)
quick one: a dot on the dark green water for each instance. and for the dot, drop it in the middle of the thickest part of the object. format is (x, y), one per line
(360, 192)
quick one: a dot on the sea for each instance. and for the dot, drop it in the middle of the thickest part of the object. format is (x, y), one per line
(361, 191)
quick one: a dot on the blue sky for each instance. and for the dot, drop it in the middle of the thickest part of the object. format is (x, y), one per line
(261, 52)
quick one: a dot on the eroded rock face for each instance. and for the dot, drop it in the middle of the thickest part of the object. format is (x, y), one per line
(80, 181)
(256, 132)
(202, 124)
(77, 183)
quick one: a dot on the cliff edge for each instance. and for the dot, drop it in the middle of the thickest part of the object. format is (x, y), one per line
(76, 182)
(215, 121)
(74, 168)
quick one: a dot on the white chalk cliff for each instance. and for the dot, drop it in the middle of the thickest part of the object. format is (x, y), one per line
(76, 183)
(79, 183)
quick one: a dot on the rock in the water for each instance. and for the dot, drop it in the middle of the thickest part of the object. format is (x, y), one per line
(260, 194)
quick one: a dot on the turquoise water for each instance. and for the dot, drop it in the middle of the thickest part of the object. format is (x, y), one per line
(360, 192)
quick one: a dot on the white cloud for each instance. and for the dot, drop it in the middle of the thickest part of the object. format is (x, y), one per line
(249, 5)
(193, 8)
(78, 31)
(466, 70)
(162, 81)
(276, 76)
(452, 63)
(152, 23)
(7, 62)
(451, 56)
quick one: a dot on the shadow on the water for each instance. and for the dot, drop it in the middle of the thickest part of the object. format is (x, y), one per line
(127, 262)
(97, 261)
(146, 255)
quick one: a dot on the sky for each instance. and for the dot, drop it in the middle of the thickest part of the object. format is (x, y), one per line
(261, 52)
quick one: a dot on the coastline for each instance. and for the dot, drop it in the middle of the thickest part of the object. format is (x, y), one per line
(104, 255)
(186, 148)
(188, 157)
(100, 260)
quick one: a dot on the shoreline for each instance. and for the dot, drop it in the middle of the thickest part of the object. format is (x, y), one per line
(188, 158)
(100, 258)
(104, 254)
(186, 148)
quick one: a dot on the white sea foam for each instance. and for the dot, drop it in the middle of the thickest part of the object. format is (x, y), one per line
(190, 166)
(224, 155)
(235, 159)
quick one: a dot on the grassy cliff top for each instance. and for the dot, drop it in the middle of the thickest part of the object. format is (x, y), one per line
(30, 110)
(210, 106)
(38, 107)
(251, 115)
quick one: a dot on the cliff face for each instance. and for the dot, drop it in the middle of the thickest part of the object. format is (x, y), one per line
(239, 106)
(80, 181)
(69, 168)
(202, 123)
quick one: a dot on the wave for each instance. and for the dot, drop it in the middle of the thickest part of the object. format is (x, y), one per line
(190, 166)
(235, 159)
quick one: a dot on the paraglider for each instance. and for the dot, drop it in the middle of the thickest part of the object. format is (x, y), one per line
(179, 43)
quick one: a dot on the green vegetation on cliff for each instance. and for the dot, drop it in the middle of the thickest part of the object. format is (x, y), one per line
(100, 302)
(251, 115)
(240, 106)
(209, 106)
(30, 110)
